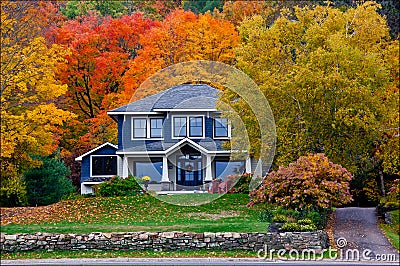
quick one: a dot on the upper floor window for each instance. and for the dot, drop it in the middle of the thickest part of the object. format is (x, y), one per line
(196, 126)
(139, 128)
(156, 125)
(220, 127)
(191, 126)
(147, 127)
(180, 126)
(104, 165)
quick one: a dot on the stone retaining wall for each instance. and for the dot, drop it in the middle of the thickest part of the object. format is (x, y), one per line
(166, 241)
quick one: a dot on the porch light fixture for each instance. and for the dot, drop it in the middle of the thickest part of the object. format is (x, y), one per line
(189, 168)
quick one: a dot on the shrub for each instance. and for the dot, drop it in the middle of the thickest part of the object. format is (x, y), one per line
(290, 227)
(305, 221)
(265, 216)
(279, 218)
(118, 186)
(13, 192)
(393, 196)
(242, 183)
(307, 227)
(392, 205)
(48, 183)
(311, 181)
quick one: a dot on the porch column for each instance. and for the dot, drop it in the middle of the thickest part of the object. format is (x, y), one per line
(248, 165)
(164, 177)
(208, 177)
(125, 171)
(258, 170)
(165, 183)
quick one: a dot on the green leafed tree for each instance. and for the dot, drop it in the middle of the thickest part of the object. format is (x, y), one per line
(73, 9)
(326, 75)
(48, 183)
(202, 6)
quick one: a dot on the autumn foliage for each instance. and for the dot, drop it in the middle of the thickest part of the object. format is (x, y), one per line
(182, 36)
(329, 72)
(311, 181)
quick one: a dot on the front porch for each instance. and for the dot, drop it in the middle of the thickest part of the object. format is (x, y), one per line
(187, 167)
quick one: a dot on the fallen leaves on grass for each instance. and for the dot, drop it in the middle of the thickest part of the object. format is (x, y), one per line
(132, 211)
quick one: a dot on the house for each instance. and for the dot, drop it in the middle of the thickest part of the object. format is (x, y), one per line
(175, 137)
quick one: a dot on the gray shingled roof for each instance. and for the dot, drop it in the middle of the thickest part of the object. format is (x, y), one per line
(186, 96)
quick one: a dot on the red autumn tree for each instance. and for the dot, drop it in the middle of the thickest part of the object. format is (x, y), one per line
(101, 48)
(100, 51)
(311, 181)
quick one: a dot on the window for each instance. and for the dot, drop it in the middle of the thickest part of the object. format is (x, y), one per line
(179, 126)
(220, 127)
(225, 168)
(139, 127)
(156, 127)
(196, 126)
(104, 165)
(152, 169)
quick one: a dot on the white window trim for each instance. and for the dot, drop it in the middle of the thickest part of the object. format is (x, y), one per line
(105, 155)
(140, 160)
(148, 128)
(229, 129)
(188, 127)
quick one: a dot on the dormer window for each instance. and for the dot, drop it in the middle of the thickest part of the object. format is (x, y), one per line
(220, 127)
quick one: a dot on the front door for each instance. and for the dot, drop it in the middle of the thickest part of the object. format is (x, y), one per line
(189, 171)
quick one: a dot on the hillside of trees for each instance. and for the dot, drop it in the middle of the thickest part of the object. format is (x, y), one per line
(330, 71)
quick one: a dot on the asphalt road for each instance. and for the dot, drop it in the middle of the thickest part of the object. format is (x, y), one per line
(357, 229)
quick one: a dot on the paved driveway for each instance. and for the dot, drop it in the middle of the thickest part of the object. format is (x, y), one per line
(357, 229)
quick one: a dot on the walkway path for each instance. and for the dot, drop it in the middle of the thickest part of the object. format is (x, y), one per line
(357, 228)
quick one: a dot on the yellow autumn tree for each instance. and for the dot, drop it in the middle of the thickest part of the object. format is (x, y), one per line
(329, 75)
(30, 117)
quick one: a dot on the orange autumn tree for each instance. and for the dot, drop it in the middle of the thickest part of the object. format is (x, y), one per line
(237, 11)
(181, 37)
(101, 48)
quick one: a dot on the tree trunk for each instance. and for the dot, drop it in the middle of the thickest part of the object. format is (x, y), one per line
(382, 183)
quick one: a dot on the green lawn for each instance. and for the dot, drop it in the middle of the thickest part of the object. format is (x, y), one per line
(138, 213)
(392, 230)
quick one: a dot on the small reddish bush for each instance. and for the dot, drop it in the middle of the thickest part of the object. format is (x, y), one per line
(241, 182)
(310, 182)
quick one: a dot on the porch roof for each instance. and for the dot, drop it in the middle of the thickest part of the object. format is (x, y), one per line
(113, 146)
(206, 145)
